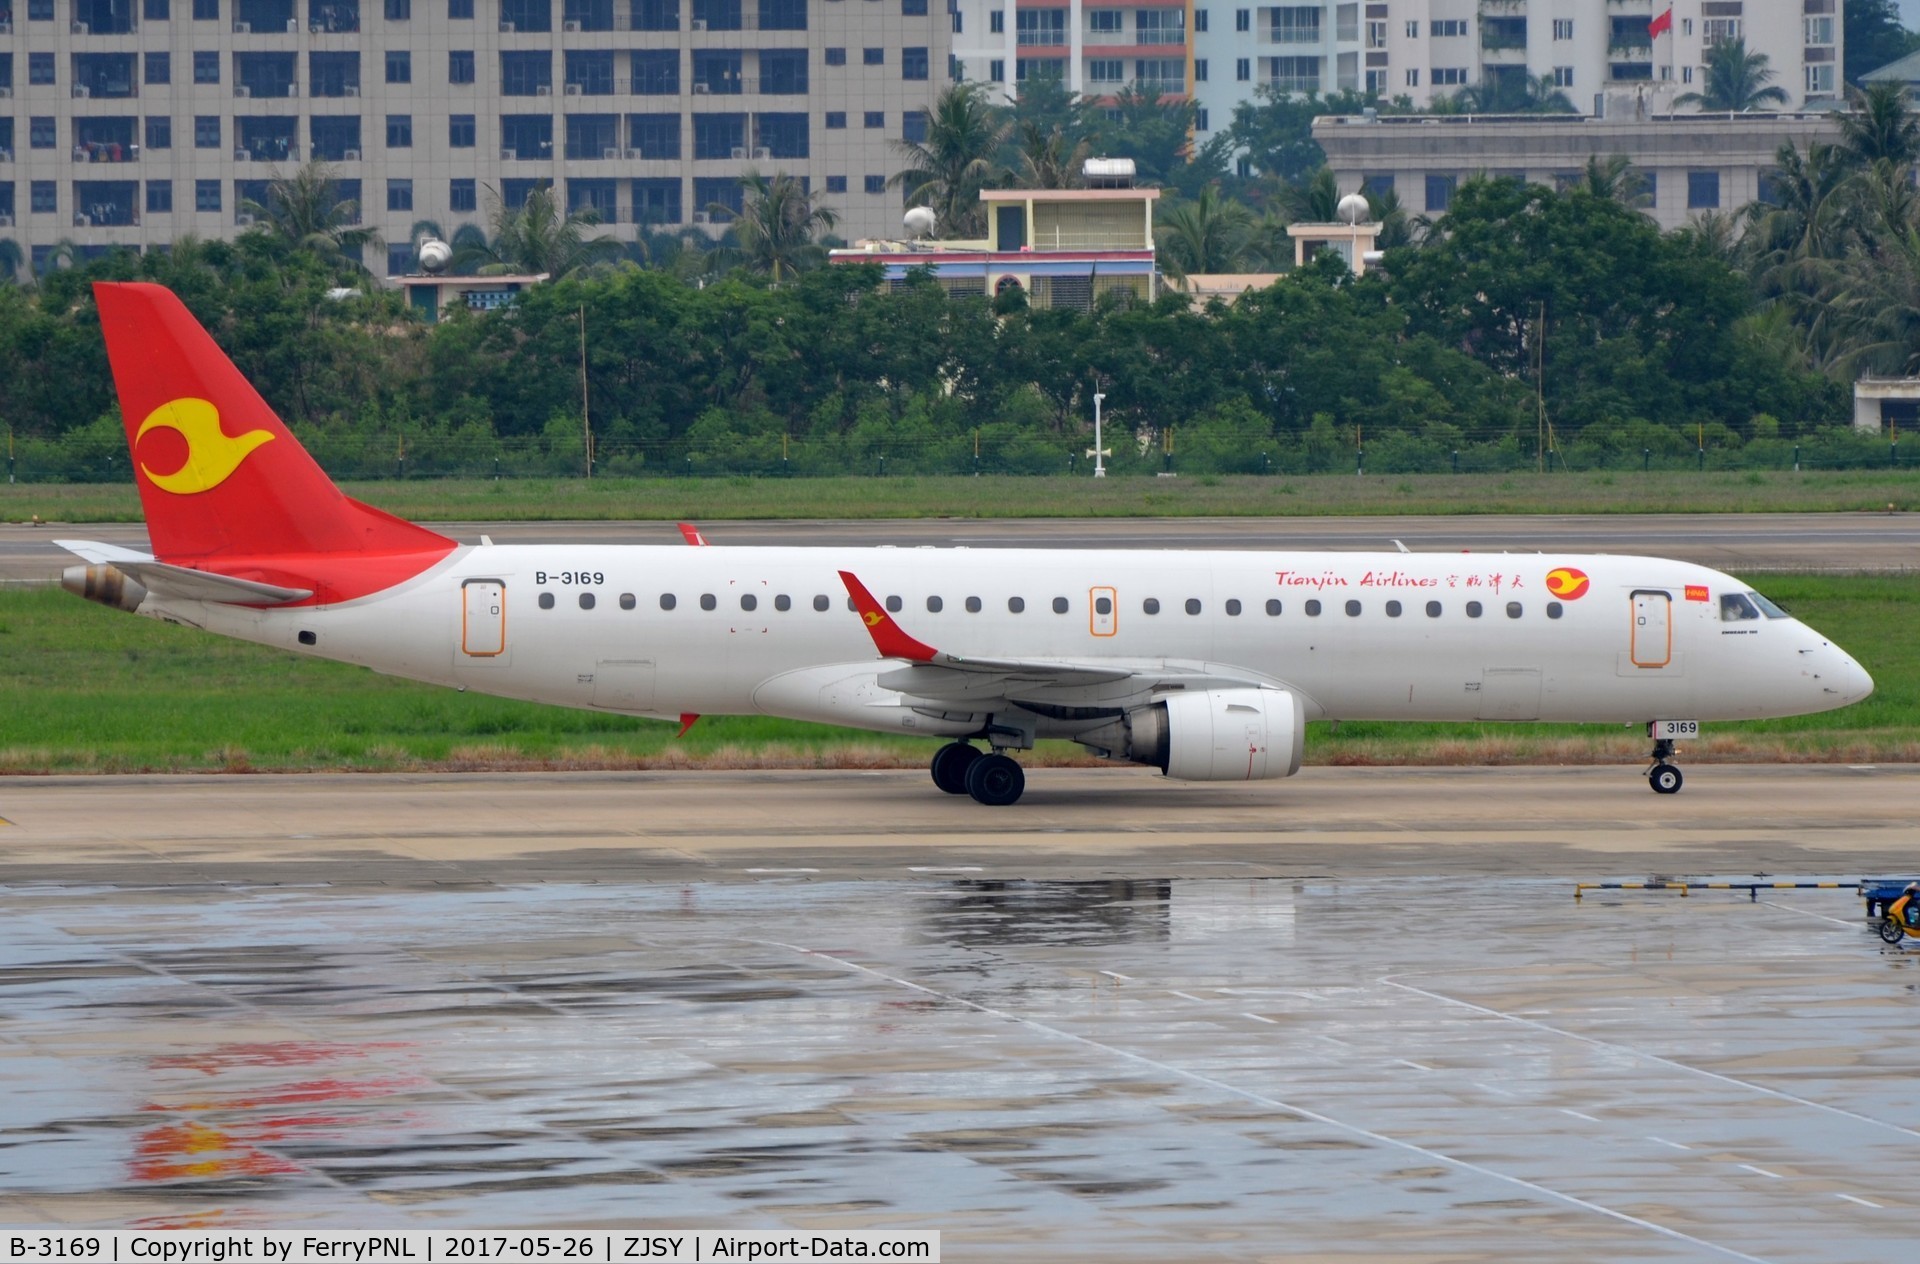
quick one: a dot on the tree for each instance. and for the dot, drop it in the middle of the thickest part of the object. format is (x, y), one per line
(1735, 80)
(947, 170)
(1275, 129)
(1152, 130)
(11, 257)
(1050, 159)
(1873, 36)
(1880, 126)
(537, 237)
(777, 225)
(305, 210)
(1313, 201)
(1208, 234)
(1613, 179)
(1512, 94)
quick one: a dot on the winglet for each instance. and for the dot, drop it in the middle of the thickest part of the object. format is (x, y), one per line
(887, 636)
(691, 534)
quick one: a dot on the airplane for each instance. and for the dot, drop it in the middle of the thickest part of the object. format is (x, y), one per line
(1204, 664)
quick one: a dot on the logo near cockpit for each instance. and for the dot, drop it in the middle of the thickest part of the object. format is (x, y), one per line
(1567, 583)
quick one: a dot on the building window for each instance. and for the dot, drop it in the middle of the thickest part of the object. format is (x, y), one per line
(1563, 28)
(461, 195)
(460, 10)
(399, 195)
(39, 67)
(1703, 190)
(836, 57)
(1650, 187)
(156, 10)
(206, 195)
(836, 184)
(1243, 69)
(399, 11)
(1563, 76)
(1200, 119)
(1440, 192)
(836, 120)
(399, 131)
(460, 131)
(1243, 19)
(876, 184)
(1413, 78)
(1200, 70)
(159, 131)
(873, 56)
(1199, 19)
(206, 10)
(1686, 74)
(913, 63)
(997, 22)
(399, 66)
(460, 66)
(1413, 30)
(913, 127)
(996, 69)
(913, 8)
(159, 68)
(206, 67)
(1820, 79)
(206, 131)
(876, 118)
(159, 197)
(40, 132)
(1106, 70)
(1450, 28)
(43, 198)
(1449, 76)
(1819, 30)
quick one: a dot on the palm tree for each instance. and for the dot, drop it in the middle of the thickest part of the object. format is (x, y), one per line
(777, 224)
(11, 257)
(1208, 234)
(305, 210)
(1050, 159)
(1512, 94)
(1734, 80)
(1881, 126)
(1317, 201)
(536, 237)
(1809, 217)
(1396, 228)
(948, 169)
(1613, 179)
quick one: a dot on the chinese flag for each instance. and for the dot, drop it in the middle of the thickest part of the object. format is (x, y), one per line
(1661, 25)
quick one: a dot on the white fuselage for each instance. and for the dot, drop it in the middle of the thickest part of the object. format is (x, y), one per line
(770, 631)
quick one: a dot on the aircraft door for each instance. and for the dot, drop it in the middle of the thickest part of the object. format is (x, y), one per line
(1103, 611)
(483, 618)
(1652, 644)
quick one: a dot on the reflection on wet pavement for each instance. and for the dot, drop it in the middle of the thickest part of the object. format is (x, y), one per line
(1192, 1069)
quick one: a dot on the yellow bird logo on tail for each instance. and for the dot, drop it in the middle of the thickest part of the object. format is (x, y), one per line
(212, 455)
(873, 618)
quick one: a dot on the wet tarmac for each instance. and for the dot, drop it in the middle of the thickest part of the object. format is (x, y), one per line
(206, 1021)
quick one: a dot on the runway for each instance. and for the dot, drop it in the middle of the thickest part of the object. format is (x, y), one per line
(1731, 542)
(1354, 1013)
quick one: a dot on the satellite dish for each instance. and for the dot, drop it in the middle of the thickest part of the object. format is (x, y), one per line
(920, 221)
(435, 255)
(1353, 208)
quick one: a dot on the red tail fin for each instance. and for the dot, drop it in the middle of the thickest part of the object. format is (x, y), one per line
(221, 478)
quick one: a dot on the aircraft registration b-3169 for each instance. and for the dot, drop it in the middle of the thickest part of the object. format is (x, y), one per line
(1204, 664)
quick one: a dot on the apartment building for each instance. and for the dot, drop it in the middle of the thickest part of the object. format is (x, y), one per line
(1603, 56)
(134, 122)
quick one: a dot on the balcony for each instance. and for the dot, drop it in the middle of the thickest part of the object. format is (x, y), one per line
(333, 17)
(1134, 39)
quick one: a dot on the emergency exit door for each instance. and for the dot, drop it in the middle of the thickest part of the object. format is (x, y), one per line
(483, 618)
(1103, 611)
(1652, 628)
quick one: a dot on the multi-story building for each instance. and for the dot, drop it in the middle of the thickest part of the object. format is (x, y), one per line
(135, 122)
(1603, 56)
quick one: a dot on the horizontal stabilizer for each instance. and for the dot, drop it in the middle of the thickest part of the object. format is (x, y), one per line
(183, 583)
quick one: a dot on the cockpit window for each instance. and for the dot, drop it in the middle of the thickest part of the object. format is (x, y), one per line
(1767, 607)
(1734, 608)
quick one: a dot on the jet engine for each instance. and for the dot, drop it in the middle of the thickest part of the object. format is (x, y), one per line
(1209, 735)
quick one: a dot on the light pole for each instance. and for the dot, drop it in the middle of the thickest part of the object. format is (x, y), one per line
(1099, 468)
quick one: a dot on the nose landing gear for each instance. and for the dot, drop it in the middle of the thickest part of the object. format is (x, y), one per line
(1663, 776)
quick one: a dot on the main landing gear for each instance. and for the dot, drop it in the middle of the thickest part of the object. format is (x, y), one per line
(1663, 776)
(993, 779)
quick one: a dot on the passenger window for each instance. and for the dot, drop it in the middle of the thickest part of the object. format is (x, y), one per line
(1233, 605)
(1513, 610)
(1353, 610)
(708, 601)
(893, 605)
(1059, 605)
(1734, 608)
(586, 601)
(1103, 605)
(1433, 610)
(1016, 604)
(1393, 610)
(935, 605)
(783, 603)
(1473, 610)
(822, 602)
(1553, 609)
(1150, 606)
(1193, 605)
(546, 601)
(748, 601)
(1273, 605)
(668, 601)
(627, 602)
(1313, 609)
(973, 605)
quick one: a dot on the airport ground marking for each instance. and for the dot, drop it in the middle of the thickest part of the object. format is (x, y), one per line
(1788, 908)
(1863, 1202)
(1762, 1171)
(1273, 1103)
(1675, 1063)
(1675, 1144)
(1187, 996)
(1261, 1018)
(1418, 1066)
(1579, 1115)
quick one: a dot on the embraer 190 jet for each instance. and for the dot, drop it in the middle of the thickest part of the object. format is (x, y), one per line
(1206, 665)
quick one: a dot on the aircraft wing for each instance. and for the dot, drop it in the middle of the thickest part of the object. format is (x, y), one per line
(936, 676)
(183, 583)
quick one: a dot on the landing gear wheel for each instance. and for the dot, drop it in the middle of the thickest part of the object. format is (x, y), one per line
(1890, 930)
(995, 780)
(950, 764)
(1665, 779)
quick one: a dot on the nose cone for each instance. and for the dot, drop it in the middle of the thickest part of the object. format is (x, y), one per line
(1851, 681)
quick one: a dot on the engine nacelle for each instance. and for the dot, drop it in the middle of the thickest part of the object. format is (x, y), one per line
(1210, 735)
